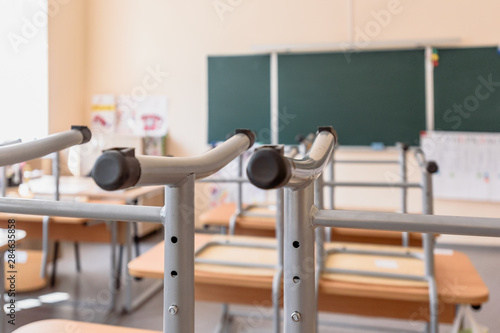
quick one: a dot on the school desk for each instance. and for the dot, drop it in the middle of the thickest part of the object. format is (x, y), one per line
(457, 280)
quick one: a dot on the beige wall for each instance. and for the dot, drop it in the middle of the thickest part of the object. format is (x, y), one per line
(125, 39)
(67, 64)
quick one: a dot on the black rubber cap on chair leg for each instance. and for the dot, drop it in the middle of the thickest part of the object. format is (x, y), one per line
(268, 169)
(249, 133)
(86, 133)
(329, 129)
(432, 167)
(116, 169)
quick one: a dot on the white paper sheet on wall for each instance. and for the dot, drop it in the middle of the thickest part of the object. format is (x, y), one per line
(469, 164)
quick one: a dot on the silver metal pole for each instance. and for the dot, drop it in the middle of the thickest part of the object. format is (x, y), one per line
(158, 170)
(114, 273)
(300, 300)
(320, 240)
(428, 244)
(127, 276)
(403, 178)
(240, 185)
(367, 161)
(21, 152)
(439, 224)
(45, 246)
(279, 244)
(3, 174)
(81, 210)
(372, 184)
(178, 220)
(56, 172)
(223, 180)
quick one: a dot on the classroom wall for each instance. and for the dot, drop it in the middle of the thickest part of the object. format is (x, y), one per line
(67, 64)
(128, 42)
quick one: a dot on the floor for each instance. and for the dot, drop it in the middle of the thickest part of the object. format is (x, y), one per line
(89, 294)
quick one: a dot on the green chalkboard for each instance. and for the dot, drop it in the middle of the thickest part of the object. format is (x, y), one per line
(467, 90)
(366, 96)
(239, 96)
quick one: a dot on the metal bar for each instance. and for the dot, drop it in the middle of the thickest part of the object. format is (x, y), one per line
(146, 295)
(113, 284)
(178, 312)
(440, 224)
(428, 244)
(372, 184)
(370, 327)
(81, 210)
(233, 263)
(306, 170)
(157, 170)
(21, 152)
(277, 281)
(45, 246)
(234, 244)
(3, 174)
(376, 274)
(404, 191)
(367, 161)
(320, 240)
(284, 171)
(415, 255)
(239, 201)
(299, 295)
(223, 180)
(127, 276)
(276, 293)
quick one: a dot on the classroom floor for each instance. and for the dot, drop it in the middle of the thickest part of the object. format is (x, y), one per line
(89, 295)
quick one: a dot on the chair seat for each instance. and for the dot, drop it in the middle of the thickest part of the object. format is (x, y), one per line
(67, 326)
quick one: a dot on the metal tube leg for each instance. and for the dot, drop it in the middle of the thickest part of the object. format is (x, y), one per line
(45, 246)
(128, 277)
(404, 191)
(76, 246)
(279, 275)
(320, 240)
(119, 266)
(428, 243)
(114, 274)
(136, 239)
(428, 240)
(178, 220)
(3, 179)
(300, 302)
(54, 264)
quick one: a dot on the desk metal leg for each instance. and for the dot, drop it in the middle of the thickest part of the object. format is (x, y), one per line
(113, 281)
(128, 278)
(45, 246)
(178, 222)
(300, 301)
(278, 278)
(54, 264)
(76, 247)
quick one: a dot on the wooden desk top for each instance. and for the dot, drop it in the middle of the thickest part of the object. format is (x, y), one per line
(457, 280)
(67, 326)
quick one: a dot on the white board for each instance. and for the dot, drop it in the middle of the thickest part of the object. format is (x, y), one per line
(469, 164)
